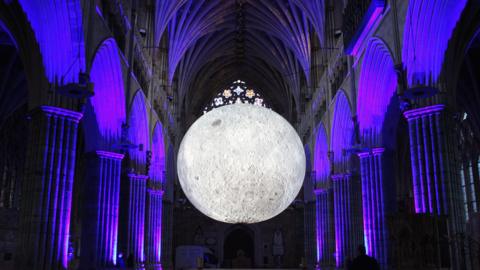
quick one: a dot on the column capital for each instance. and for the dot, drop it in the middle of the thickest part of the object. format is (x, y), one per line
(338, 176)
(319, 191)
(137, 176)
(415, 113)
(378, 150)
(364, 154)
(61, 112)
(155, 191)
(107, 154)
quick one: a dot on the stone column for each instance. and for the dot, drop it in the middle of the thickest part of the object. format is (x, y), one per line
(100, 210)
(427, 150)
(136, 218)
(374, 223)
(47, 189)
(436, 187)
(348, 223)
(324, 228)
(153, 246)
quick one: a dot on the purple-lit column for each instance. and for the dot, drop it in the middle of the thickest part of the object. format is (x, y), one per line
(47, 189)
(100, 210)
(373, 204)
(324, 230)
(427, 150)
(154, 228)
(136, 217)
(348, 221)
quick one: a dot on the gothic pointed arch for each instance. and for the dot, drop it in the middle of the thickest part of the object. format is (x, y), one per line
(428, 27)
(58, 26)
(105, 112)
(138, 131)
(376, 91)
(321, 163)
(342, 131)
(157, 169)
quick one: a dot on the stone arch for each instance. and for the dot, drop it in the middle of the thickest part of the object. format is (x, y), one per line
(138, 131)
(467, 29)
(58, 26)
(428, 27)
(342, 131)
(376, 89)
(13, 122)
(321, 162)
(14, 21)
(157, 168)
(253, 229)
(105, 112)
(13, 91)
(467, 120)
(244, 232)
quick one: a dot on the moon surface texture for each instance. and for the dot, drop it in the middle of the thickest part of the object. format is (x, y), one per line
(241, 163)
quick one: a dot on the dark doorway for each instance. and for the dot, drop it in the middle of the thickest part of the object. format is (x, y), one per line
(238, 249)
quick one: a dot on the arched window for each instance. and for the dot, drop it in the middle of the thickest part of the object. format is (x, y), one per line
(238, 92)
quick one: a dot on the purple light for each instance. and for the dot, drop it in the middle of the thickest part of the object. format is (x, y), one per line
(136, 210)
(370, 18)
(105, 111)
(426, 140)
(196, 19)
(342, 135)
(111, 155)
(417, 113)
(342, 130)
(158, 154)
(373, 204)
(425, 41)
(58, 28)
(312, 8)
(138, 132)
(338, 220)
(323, 205)
(321, 162)
(377, 85)
(100, 229)
(165, 9)
(56, 111)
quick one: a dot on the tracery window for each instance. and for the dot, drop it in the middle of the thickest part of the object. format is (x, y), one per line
(238, 92)
(469, 165)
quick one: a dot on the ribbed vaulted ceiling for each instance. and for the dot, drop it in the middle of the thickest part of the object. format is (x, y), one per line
(266, 43)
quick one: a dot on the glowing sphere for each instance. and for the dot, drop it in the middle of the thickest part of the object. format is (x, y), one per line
(241, 163)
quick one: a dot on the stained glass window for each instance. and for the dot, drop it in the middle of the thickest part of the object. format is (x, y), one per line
(238, 92)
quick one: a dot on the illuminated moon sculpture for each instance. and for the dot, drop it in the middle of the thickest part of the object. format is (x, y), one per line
(241, 163)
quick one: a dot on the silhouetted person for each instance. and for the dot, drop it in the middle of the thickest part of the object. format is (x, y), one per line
(363, 261)
(120, 261)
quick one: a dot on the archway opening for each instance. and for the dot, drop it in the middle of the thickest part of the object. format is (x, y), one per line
(13, 140)
(239, 249)
(468, 126)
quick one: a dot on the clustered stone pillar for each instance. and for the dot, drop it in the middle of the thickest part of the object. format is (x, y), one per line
(325, 243)
(47, 189)
(136, 217)
(348, 223)
(153, 246)
(100, 213)
(374, 223)
(427, 150)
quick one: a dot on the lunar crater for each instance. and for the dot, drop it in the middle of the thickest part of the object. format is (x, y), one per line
(241, 164)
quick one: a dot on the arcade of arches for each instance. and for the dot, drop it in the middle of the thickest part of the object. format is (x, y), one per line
(95, 96)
